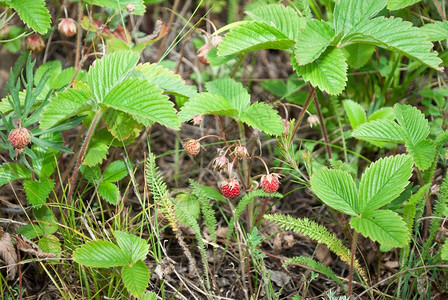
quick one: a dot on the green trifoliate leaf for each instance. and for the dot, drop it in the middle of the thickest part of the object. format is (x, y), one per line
(96, 153)
(64, 105)
(135, 247)
(382, 130)
(396, 35)
(115, 171)
(149, 296)
(121, 125)
(54, 67)
(253, 36)
(135, 278)
(328, 72)
(336, 189)
(33, 13)
(263, 117)
(101, 254)
(382, 113)
(436, 31)
(283, 18)
(312, 41)
(206, 102)
(355, 113)
(398, 4)
(37, 192)
(11, 171)
(358, 54)
(422, 153)
(139, 5)
(413, 123)
(166, 79)
(50, 244)
(110, 71)
(383, 181)
(109, 191)
(231, 90)
(383, 226)
(47, 219)
(142, 100)
(349, 13)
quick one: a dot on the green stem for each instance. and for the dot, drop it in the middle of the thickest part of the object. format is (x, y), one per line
(441, 140)
(82, 153)
(238, 64)
(352, 259)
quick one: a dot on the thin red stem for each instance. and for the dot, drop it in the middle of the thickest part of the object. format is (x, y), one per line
(302, 113)
(324, 129)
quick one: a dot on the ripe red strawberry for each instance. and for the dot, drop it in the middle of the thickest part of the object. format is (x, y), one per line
(192, 146)
(230, 188)
(270, 183)
(19, 138)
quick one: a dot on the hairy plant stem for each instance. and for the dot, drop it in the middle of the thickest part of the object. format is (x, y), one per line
(322, 126)
(352, 259)
(82, 152)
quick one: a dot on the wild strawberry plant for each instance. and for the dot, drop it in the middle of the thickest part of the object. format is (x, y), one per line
(364, 65)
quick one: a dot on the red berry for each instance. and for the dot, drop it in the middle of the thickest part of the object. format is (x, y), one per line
(35, 43)
(270, 183)
(192, 146)
(67, 27)
(19, 138)
(230, 188)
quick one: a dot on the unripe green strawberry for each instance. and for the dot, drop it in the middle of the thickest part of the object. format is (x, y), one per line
(192, 146)
(270, 183)
(230, 188)
(19, 138)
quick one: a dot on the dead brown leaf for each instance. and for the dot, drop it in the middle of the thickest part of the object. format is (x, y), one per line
(9, 255)
(28, 246)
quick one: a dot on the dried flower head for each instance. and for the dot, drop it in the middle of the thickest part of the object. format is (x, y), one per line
(241, 152)
(220, 162)
(313, 120)
(197, 120)
(130, 7)
(67, 27)
(285, 127)
(35, 43)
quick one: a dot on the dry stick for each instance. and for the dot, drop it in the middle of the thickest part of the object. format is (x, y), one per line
(399, 274)
(322, 126)
(170, 23)
(440, 9)
(20, 273)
